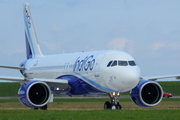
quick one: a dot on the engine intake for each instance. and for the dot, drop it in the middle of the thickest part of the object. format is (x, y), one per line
(147, 93)
(34, 94)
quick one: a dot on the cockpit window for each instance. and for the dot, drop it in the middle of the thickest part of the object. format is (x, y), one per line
(109, 64)
(114, 63)
(122, 63)
(132, 63)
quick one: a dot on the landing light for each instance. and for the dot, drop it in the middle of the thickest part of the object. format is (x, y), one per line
(116, 94)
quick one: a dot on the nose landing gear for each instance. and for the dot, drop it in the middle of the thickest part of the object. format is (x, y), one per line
(114, 104)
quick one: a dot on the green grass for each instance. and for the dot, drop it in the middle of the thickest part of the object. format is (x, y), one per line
(171, 87)
(9, 89)
(13, 100)
(90, 109)
(90, 115)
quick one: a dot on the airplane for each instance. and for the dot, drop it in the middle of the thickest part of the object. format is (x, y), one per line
(109, 72)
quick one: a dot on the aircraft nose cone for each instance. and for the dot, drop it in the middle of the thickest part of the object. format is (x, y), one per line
(133, 77)
(128, 79)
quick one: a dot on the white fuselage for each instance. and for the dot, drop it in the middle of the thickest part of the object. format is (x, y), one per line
(97, 69)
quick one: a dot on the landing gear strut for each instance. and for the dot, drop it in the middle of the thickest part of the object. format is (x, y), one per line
(114, 104)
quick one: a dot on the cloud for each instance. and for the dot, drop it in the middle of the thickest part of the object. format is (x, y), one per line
(10, 52)
(55, 28)
(174, 45)
(121, 44)
(118, 43)
(52, 46)
(158, 44)
(159, 49)
(164, 44)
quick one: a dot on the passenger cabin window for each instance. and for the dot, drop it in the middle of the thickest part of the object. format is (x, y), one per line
(109, 64)
(114, 63)
(122, 63)
(132, 63)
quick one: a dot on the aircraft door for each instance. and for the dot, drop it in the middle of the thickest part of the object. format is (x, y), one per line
(97, 64)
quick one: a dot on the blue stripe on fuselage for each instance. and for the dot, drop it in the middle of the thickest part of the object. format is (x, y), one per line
(95, 84)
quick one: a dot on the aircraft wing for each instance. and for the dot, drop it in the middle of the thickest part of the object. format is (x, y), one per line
(63, 81)
(11, 67)
(12, 78)
(19, 79)
(162, 77)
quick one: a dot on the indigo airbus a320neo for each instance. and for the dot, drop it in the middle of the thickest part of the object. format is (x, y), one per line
(85, 73)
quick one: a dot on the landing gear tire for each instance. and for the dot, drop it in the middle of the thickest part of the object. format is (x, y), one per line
(34, 108)
(44, 107)
(118, 106)
(114, 104)
(107, 105)
(113, 107)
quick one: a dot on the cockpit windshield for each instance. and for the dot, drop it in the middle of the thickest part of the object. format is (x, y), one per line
(120, 63)
(109, 64)
(132, 63)
(114, 63)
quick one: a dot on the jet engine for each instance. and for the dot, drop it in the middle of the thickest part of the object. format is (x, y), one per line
(34, 94)
(147, 93)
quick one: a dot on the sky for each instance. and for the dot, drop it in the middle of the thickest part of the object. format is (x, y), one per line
(149, 30)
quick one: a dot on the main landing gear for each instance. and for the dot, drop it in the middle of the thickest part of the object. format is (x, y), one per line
(42, 108)
(114, 104)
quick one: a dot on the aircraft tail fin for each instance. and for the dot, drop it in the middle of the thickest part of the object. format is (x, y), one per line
(32, 46)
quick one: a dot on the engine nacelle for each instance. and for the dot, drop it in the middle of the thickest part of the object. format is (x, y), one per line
(147, 94)
(34, 94)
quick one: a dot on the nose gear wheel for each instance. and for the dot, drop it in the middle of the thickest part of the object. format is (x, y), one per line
(114, 104)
